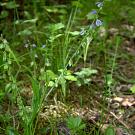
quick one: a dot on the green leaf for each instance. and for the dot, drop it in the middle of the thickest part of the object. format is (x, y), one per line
(49, 77)
(109, 79)
(3, 14)
(2, 94)
(75, 124)
(49, 74)
(77, 4)
(11, 131)
(36, 95)
(86, 81)
(89, 71)
(2, 45)
(31, 21)
(25, 32)
(132, 89)
(78, 83)
(109, 131)
(86, 72)
(52, 38)
(70, 78)
(51, 9)
(82, 126)
(91, 16)
(11, 5)
(75, 33)
(57, 26)
(62, 82)
(51, 84)
(6, 66)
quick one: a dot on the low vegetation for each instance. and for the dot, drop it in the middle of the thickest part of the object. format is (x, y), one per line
(67, 67)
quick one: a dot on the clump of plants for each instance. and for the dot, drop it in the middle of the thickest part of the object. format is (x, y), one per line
(40, 52)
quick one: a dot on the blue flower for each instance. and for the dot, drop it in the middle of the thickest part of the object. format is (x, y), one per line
(34, 45)
(82, 32)
(43, 46)
(99, 4)
(98, 22)
(93, 12)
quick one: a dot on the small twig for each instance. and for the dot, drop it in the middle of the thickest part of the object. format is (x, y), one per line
(120, 121)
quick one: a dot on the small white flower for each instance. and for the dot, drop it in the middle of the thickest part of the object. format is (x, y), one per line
(36, 56)
(34, 45)
(26, 45)
(99, 4)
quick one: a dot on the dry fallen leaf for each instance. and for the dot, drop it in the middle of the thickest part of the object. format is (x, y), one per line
(119, 131)
(126, 103)
(118, 99)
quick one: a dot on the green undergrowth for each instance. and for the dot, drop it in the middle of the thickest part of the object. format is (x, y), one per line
(61, 51)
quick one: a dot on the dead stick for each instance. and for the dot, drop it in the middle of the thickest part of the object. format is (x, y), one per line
(120, 121)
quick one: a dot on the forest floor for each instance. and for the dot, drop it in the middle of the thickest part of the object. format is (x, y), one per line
(89, 103)
(118, 109)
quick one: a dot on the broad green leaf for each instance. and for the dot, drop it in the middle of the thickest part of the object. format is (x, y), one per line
(70, 78)
(2, 45)
(132, 89)
(82, 126)
(51, 84)
(86, 81)
(75, 124)
(109, 131)
(86, 72)
(57, 26)
(6, 66)
(11, 5)
(50, 74)
(25, 32)
(2, 94)
(77, 4)
(89, 71)
(91, 16)
(3, 14)
(11, 131)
